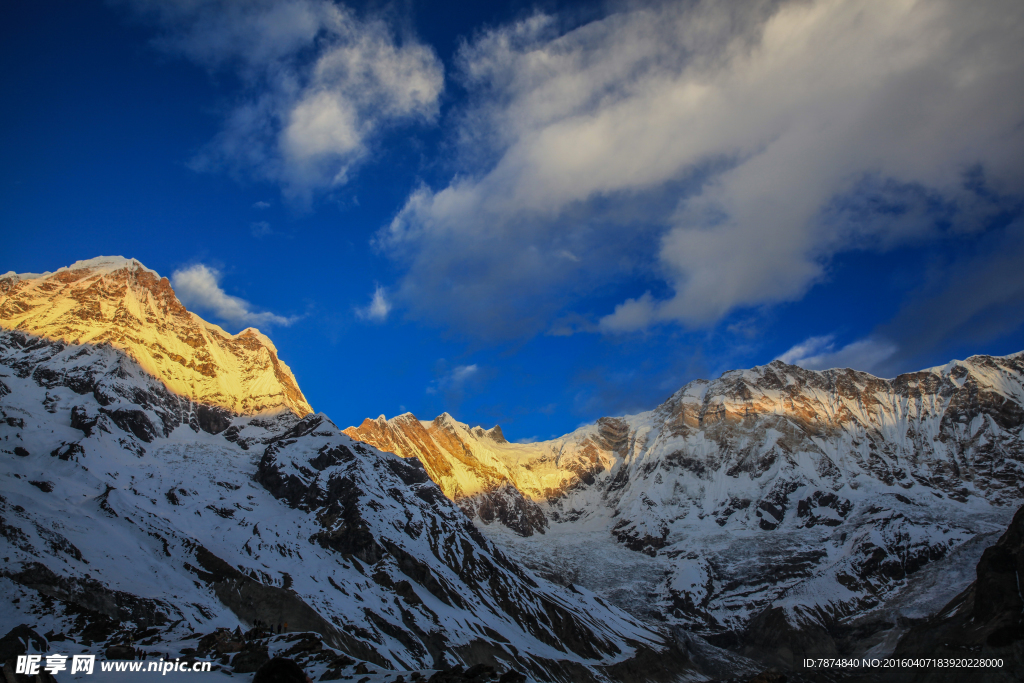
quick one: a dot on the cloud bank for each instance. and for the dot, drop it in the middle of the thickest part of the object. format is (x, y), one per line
(198, 287)
(320, 85)
(725, 150)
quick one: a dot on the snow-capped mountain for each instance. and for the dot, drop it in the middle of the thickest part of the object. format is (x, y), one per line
(768, 499)
(166, 478)
(127, 508)
(119, 301)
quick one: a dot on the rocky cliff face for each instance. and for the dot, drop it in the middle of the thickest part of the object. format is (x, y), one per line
(811, 496)
(117, 301)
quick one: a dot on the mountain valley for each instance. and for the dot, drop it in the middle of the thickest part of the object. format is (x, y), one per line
(164, 479)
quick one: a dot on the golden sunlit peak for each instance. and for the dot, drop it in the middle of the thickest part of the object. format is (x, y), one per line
(136, 311)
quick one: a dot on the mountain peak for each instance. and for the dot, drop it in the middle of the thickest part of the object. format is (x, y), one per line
(108, 264)
(445, 419)
(97, 265)
(263, 339)
(494, 433)
(117, 300)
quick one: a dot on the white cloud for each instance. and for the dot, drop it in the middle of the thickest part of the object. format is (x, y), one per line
(378, 308)
(820, 353)
(806, 348)
(322, 84)
(261, 205)
(460, 373)
(715, 145)
(568, 255)
(452, 381)
(198, 287)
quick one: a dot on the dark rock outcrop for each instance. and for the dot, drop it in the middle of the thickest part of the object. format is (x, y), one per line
(81, 420)
(252, 600)
(21, 640)
(92, 595)
(985, 621)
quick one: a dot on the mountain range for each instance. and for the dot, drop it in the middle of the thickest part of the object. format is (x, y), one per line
(770, 498)
(164, 479)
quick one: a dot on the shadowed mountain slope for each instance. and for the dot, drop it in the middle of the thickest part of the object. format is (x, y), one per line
(986, 621)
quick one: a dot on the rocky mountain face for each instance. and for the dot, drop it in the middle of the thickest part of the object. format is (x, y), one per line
(385, 515)
(758, 507)
(462, 462)
(117, 301)
(129, 511)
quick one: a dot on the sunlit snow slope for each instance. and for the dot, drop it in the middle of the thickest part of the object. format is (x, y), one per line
(119, 301)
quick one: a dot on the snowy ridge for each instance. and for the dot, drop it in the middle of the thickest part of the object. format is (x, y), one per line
(119, 301)
(164, 473)
(97, 265)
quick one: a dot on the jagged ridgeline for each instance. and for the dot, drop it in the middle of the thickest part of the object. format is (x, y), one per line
(162, 479)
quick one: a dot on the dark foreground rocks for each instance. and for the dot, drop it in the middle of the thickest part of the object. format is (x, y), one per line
(17, 642)
(984, 622)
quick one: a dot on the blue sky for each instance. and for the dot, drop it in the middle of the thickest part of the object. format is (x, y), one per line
(534, 214)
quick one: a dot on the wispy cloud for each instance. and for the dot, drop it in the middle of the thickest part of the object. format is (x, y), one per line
(321, 84)
(198, 287)
(975, 298)
(261, 205)
(452, 381)
(378, 308)
(808, 347)
(263, 229)
(570, 324)
(460, 373)
(820, 353)
(727, 149)
(260, 229)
